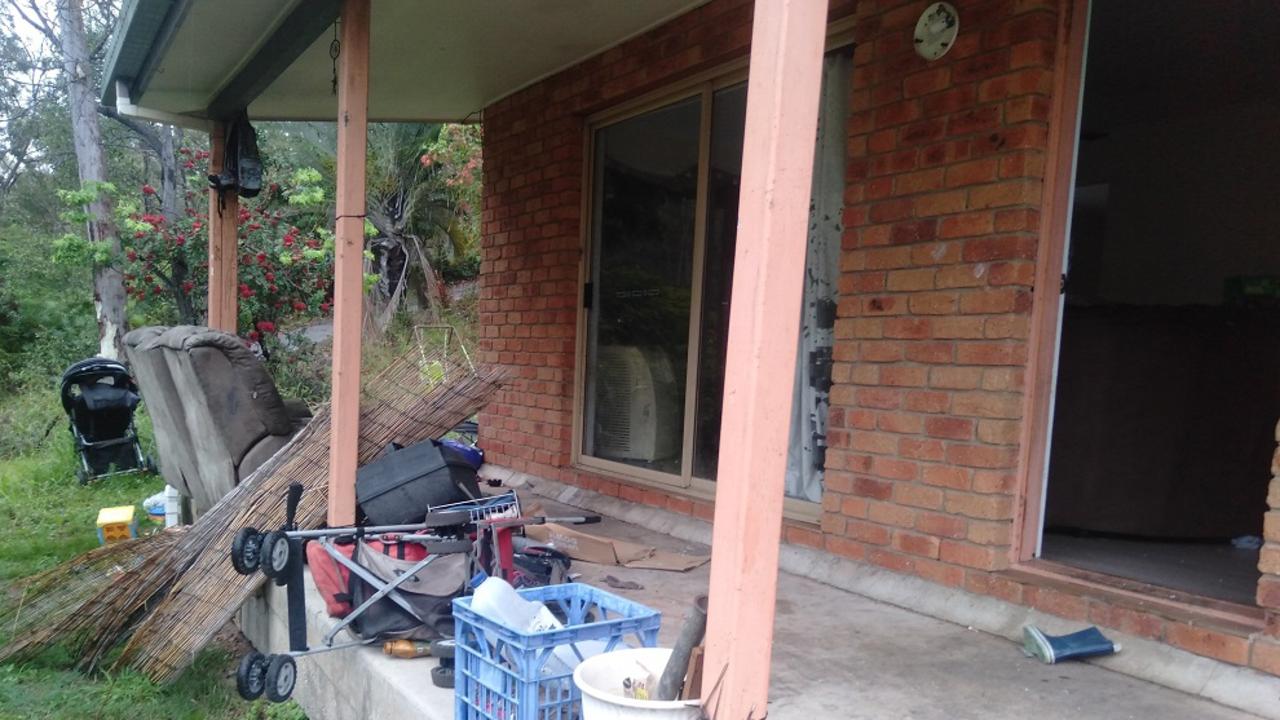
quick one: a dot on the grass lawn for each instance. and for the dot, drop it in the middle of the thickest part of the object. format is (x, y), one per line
(46, 516)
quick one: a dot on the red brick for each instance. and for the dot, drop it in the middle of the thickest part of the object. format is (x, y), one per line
(917, 496)
(803, 536)
(913, 544)
(1266, 656)
(966, 225)
(939, 203)
(948, 476)
(955, 378)
(940, 525)
(868, 532)
(907, 328)
(931, 352)
(969, 555)
(845, 547)
(1056, 602)
(993, 353)
(967, 122)
(951, 428)
(1126, 620)
(927, 402)
(1009, 192)
(988, 405)
(933, 303)
(927, 81)
(894, 469)
(993, 481)
(916, 231)
(982, 507)
(904, 423)
(892, 514)
(982, 456)
(1210, 643)
(985, 583)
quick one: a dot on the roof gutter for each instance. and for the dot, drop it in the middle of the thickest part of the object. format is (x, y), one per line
(126, 108)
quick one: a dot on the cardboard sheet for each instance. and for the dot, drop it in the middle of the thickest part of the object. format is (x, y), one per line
(608, 551)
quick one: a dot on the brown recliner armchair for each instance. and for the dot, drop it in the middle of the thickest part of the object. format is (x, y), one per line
(216, 411)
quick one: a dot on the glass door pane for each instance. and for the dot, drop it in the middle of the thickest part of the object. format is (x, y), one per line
(728, 118)
(644, 195)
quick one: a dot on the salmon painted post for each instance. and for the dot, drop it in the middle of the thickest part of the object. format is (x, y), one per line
(224, 210)
(777, 170)
(348, 264)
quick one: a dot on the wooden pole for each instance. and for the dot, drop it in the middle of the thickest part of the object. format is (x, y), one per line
(348, 265)
(224, 212)
(773, 217)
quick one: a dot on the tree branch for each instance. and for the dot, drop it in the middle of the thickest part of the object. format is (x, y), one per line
(144, 131)
(40, 23)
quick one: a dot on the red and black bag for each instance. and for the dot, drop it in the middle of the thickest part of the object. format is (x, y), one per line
(333, 580)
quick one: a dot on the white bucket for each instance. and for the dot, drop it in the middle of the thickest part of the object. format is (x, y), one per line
(600, 680)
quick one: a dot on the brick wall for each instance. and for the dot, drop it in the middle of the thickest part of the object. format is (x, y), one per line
(945, 174)
(1269, 559)
(946, 161)
(529, 292)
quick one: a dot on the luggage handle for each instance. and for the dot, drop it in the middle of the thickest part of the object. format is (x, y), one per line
(292, 499)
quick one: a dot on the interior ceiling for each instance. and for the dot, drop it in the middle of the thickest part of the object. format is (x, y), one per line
(1153, 60)
(430, 59)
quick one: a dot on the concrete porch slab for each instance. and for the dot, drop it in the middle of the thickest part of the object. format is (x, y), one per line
(836, 655)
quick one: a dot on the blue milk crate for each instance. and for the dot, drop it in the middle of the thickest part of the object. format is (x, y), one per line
(505, 674)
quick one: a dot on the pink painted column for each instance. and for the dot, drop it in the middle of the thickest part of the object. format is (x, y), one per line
(348, 263)
(777, 168)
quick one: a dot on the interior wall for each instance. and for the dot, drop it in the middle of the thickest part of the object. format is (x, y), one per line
(1191, 201)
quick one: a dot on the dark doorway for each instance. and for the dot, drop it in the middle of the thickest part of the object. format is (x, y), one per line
(1168, 384)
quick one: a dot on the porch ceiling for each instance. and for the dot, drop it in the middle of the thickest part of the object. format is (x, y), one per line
(431, 59)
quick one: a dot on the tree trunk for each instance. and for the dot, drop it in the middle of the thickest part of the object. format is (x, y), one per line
(108, 281)
(171, 202)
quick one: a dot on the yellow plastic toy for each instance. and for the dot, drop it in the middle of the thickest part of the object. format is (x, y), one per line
(116, 523)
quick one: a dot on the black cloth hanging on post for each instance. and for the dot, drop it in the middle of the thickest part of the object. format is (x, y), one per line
(241, 164)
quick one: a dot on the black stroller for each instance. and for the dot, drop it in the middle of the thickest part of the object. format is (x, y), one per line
(99, 397)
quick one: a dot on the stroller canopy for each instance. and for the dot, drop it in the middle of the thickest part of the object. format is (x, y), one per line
(98, 384)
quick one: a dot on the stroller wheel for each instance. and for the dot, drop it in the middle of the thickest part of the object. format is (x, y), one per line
(251, 676)
(246, 550)
(82, 476)
(282, 675)
(276, 556)
(442, 675)
(444, 649)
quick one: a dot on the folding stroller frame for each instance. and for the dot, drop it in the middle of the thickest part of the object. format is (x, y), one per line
(444, 531)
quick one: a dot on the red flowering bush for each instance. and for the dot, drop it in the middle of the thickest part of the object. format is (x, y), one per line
(284, 272)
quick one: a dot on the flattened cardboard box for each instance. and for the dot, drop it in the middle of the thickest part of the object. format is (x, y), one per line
(607, 551)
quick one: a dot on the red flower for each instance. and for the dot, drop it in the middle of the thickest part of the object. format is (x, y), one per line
(246, 260)
(262, 257)
(245, 291)
(253, 336)
(187, 286)
(180, 241)
(272, 288)
(271, 277)
(148, 190)
(288, 241)
(254, 226)
(299, 305)
(266, 326)
(132, 255)
(324, 307)
(139, 235)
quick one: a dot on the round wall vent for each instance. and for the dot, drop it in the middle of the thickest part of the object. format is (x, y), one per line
(936, 30)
